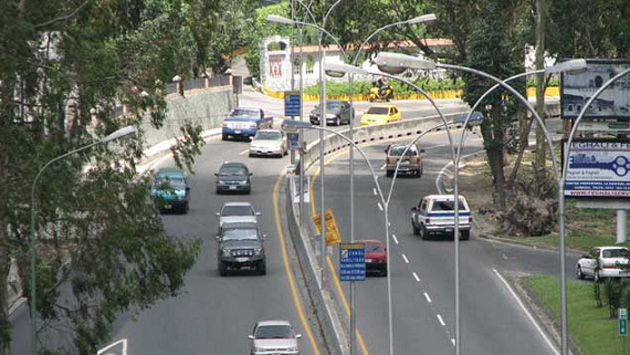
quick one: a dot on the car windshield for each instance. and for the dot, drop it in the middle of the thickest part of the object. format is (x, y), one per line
(446, 205)
(163, 182)
(233, 171)
(398, 150)
(330, 105)
(240, 112)
(239, 234)
(373, 248)
(260, 135)
(615, 253)
(237, 211)
(274, 331)
(378, 110)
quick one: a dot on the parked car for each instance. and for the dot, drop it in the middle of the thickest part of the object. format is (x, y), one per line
(241, 246)
(237, 212)
(603, 262)
(381, 114)
(435, 216)
(269, 142)
(233, 177)
(244, 122)
(411, 163)
(171, 188)
(375, 256)
(274, 337)
(475, 119)
(337, 113)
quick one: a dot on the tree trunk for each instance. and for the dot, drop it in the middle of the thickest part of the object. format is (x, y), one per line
(494, 152)
(5, 322)
(540, 162)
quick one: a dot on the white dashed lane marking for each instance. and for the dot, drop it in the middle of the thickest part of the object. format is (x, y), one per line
(416, 276)
(405, 258)
(439, 317)
(426, 295)
(244, 152)
(394, 237)
(380, 207)
(375, 192)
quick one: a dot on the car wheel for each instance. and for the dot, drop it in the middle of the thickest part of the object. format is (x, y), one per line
(262, 268)
(423, 233)
(389, 173)
(218, 191)
(465, 235)
(185, 209)
(579, 273)
(384, 271)
(416, 230)
(337, 121)
(222, 269)
(224, 137)
(371, 99)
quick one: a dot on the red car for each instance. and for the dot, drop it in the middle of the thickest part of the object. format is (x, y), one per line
(375, 256)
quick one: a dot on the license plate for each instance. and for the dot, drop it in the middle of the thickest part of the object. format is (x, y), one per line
(241, 260)
(237, 131)
(232, 187)
(368, 260)
(449, 230)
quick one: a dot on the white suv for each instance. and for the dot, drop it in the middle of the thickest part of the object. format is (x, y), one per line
(435, 215)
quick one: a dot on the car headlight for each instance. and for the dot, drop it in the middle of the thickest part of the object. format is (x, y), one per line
(226, 252)
(243, 182)
(220, 182)
(330, 115)
(258, 349)
(292, 348)
(258, 250)
(253, 125)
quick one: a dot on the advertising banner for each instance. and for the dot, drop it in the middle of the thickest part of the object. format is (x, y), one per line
(577, 88)
(598, 168)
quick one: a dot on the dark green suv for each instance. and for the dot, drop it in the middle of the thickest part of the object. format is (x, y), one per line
(171, 189)
(241, 246)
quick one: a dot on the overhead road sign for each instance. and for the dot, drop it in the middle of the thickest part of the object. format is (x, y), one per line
(352, 262)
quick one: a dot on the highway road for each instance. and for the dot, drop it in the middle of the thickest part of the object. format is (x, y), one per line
(492, 320)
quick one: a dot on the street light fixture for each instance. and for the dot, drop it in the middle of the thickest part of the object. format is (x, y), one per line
(121, 133)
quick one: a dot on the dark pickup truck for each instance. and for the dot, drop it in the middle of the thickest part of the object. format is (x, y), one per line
(244, 122)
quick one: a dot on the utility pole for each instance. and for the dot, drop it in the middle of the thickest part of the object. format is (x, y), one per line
(540, 162)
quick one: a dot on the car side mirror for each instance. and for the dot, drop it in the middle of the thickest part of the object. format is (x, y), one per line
(414, 208)
(264, 236)
(218, 214)
(385, 150)
(216, 174)
(250, 337)
(250, 174)
(298, 336)
(258, 213)
(218, 238)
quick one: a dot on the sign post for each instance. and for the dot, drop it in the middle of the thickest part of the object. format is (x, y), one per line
(623, 327)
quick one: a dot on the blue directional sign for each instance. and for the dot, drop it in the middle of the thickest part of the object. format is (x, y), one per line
(352, 262)
(293, 139)
(292, 102)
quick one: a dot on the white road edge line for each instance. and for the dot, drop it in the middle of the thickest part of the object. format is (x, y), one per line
(405, 258)
(380, 207)
(426, 295)
(244, 152)
(395, 239)
(439, 317)
(529, 315)
(416, 276)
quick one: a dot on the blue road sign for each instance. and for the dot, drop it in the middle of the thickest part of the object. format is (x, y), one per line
(294, 143)
(352, 262)
(623, 322)
(292, 105)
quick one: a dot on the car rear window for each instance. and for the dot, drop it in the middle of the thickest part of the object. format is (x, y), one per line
(233, 171)
(237, 211)
(268, 135)
(446, 206)
(274, 331)
(378, 110)
(373, 247)
(398, 150)
(239, 112)
(614, 253)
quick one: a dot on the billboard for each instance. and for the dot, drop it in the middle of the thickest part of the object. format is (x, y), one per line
(577, 88)
(598, 168)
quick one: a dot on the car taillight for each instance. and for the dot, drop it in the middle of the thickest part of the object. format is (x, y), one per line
(469, 219)
(387, 160)
(609, 266)
(427, 221)
(253, 125)
(418, 160)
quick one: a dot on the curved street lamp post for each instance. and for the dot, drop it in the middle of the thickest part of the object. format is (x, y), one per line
(121, 133)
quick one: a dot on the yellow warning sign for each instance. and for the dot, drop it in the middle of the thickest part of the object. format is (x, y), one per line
(332, 232)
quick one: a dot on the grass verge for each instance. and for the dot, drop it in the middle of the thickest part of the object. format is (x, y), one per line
(590, 326)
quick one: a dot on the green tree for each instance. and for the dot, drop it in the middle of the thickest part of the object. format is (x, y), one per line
(99, 232)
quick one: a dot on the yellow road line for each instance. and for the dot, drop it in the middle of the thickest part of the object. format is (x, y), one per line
(285, 259)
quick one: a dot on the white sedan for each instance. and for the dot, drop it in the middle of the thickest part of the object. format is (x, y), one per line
(269, 142)
(602, 262)
(274, 337)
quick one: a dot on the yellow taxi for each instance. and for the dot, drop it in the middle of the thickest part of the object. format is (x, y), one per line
(381, 114)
